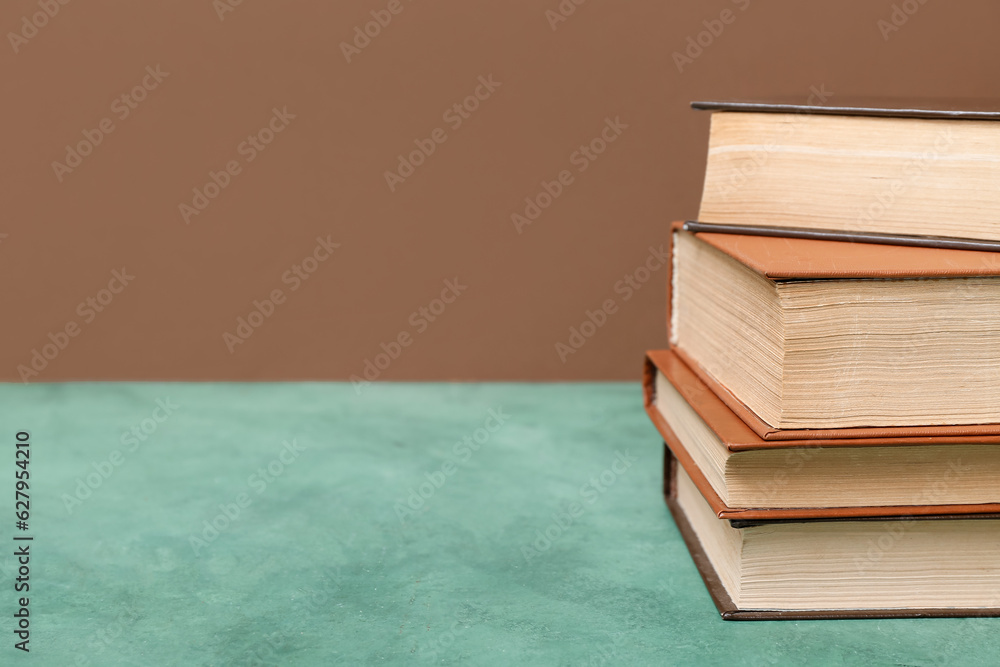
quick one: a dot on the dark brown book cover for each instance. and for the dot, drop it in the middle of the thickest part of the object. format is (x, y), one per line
(781, 258)
(953, 109)
(736, 435)
(877, 238)
(730, 612)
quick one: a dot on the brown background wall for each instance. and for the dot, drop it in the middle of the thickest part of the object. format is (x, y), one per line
(323, 175)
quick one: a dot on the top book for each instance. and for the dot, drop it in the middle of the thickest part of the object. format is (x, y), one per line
(924, 169)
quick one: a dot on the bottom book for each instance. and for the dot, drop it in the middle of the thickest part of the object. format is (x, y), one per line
(877, 567)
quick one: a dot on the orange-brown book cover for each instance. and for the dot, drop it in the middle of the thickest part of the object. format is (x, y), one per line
(737, 436)
(780, 258)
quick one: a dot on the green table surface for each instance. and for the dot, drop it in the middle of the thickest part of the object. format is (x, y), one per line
(326, 562)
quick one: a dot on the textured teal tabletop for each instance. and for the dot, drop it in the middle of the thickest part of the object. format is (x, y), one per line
(303, 524)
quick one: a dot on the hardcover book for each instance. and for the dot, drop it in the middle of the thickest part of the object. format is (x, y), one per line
(924, 168)
(744, 477)
(830, 404)
(806, 568)
(803, 337)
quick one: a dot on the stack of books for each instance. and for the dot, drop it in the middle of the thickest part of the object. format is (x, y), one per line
(830, 401)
